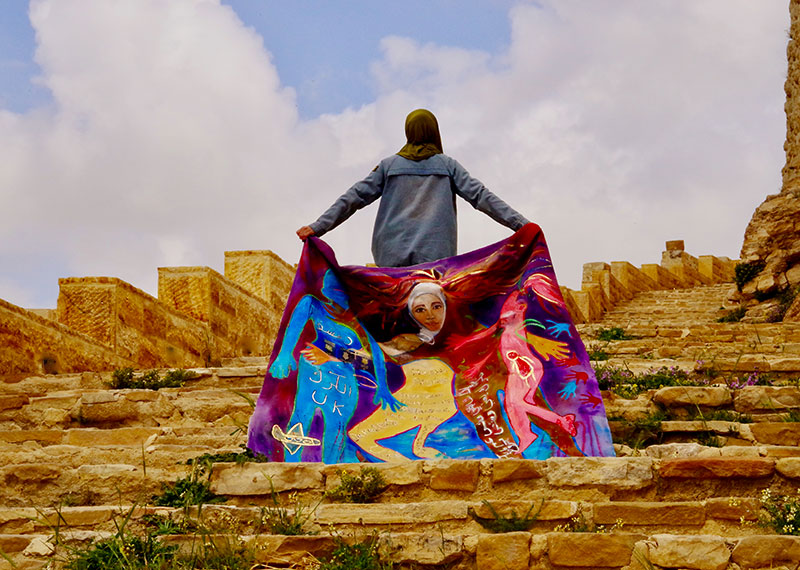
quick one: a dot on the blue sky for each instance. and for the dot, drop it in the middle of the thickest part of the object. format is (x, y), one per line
(141, 133)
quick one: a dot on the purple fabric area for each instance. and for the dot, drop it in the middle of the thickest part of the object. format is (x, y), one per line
(468, 357)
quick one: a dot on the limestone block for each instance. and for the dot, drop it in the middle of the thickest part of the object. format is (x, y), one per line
(548, 510)
(504, 470)
(13, 543)
(716, 269)
(713, 396)
(290, 550)
(632, 278)
(766, 551)
(689, 552)
(675, 450)
(91, 437)
(617, 472)
(13, 401)
(647, 513)
(717, 468)
(132, 323)
(45, 436)
(262, 273)
(776, 433)
(34, 345)
(590, 550)
(391, 513)
(767, 398)
(254, 478)
(733, 508)
(241, 322)
(503, 551)
(453, 475)
(406, 473)
(663, 278)
(789, 467)
(426, 548)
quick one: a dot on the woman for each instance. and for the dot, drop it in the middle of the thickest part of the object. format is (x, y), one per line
(416, 220)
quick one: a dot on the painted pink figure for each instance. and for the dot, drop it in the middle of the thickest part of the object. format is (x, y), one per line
(525, 372)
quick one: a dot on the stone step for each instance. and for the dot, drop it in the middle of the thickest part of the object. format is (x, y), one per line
(635, 478)
(227, 377)
(517, 550)
(193, 405)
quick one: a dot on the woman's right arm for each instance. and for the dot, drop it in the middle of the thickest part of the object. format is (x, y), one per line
(359, 195)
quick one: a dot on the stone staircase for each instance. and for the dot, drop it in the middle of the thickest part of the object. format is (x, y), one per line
(79, 457)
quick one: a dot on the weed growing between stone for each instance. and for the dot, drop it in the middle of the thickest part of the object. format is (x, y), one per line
(286, 521)
(733, 316)
(746, 271)
(780, 513)
(641, 432)
(613, 333)
(188, 491)
(579, 523)
(238, 457)
(362, 488)
(124, 378)
(626, 384)
(362, 555)
(506, 523)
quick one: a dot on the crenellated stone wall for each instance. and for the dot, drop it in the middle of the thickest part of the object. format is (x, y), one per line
(240, 323)
(31, 344)
(102, 323)
(604, 285)
(132, 323)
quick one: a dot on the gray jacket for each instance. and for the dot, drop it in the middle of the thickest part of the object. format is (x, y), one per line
(416, 219)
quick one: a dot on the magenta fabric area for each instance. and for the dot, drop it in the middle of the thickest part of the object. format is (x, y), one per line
(473, 356)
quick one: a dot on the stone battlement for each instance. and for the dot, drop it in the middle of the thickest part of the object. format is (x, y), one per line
(199, 318)
(604, 285)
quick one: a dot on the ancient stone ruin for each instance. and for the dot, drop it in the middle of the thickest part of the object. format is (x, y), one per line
(703, 403)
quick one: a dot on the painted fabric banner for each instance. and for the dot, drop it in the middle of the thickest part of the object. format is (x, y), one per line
(468, 357)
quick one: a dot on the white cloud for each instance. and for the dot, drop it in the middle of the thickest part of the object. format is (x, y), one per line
(614, 125)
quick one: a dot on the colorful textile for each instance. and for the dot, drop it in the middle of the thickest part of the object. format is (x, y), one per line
(468, 357)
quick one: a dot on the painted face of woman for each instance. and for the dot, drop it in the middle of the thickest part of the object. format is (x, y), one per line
(428, 310)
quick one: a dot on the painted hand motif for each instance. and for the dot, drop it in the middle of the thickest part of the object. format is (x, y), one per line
(557, 329)
(548, 348)
(578, 375)
(568, 391)
(385, 399)
(282, 366)
(591, 399)
(317, 356)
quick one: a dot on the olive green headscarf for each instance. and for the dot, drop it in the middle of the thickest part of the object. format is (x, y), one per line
(422, 134)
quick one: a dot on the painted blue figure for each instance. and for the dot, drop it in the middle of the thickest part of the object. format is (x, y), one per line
(326, 374)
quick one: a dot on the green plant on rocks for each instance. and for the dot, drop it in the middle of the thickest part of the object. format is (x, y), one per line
(780, 513)
(626, 384)
(641, 432)
(188, 491)
(613, 333)
(362, 555)
(238, 457)
(579, 523)
(362, 488)
(733, 316)
(125, 378)
(506, 523)
(746, 271)
(286, 521)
